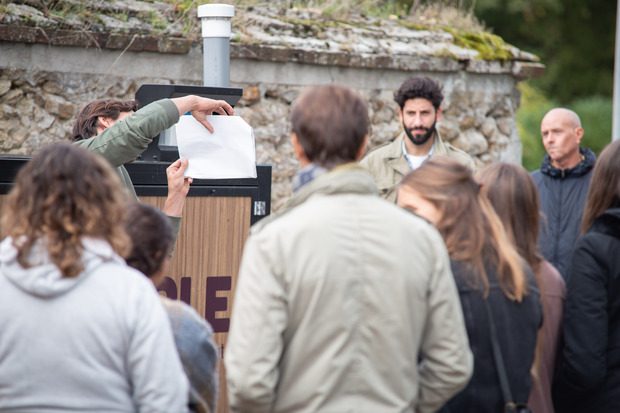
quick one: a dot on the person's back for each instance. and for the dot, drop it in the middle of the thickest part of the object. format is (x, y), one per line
(514, 197)
(85, 344)
(517, 325)
(496, 286)
(81, 331)
(588, 373)
(358, 274)
(152, 240)
(344, 303)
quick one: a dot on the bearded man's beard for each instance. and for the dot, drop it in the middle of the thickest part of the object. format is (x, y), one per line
(420, 139)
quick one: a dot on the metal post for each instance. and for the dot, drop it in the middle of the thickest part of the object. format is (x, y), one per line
(216, 32)
(615, 131)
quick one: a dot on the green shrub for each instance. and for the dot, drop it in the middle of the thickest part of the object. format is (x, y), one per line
(595, 113)
(534, 105)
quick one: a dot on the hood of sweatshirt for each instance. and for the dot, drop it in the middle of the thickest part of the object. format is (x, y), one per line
(582, 168)
(43, 278)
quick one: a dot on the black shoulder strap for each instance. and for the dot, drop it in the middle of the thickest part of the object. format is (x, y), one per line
(499, 360)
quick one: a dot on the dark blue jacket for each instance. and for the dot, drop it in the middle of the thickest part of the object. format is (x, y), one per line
(517, 327)
(588, 373)
(562, 198)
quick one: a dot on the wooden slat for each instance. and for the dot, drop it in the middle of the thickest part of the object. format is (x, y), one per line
(208, 252)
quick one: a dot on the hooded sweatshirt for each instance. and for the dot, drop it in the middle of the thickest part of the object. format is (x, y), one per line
(97, 342)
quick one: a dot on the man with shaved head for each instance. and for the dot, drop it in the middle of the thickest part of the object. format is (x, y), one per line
(562, 180)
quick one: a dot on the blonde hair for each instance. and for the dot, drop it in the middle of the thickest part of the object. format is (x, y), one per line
(65, 193)
(471, 229)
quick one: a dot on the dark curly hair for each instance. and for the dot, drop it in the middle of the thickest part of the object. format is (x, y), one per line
(65, 193)
(152, 238)
(87, 120)
(419, 87)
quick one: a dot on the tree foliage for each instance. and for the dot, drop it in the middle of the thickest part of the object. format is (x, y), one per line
(574, 39)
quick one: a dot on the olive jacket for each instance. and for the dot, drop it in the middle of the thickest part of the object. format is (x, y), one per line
(388, 166)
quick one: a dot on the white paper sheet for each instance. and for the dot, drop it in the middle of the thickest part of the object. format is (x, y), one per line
(227, 153)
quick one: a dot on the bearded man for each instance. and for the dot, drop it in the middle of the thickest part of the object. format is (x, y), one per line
(419, 100)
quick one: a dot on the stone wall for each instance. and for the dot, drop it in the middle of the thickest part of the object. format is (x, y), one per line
(43, 86)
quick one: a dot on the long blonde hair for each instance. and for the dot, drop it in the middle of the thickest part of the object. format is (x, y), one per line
(62, 194)
(471, 229)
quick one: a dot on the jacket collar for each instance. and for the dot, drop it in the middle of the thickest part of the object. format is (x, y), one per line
(581, 169)
(395, 158)
(350, 178)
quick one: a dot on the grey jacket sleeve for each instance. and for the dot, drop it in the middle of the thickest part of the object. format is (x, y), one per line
(447, 361)
(128, 138)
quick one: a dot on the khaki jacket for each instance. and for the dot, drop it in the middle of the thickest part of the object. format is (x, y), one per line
(338, 298)
(388, 165)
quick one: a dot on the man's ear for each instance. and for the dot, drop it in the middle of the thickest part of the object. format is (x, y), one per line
(362, 150)
(439, 114)
(300, 154)
(579, 133)
(103, 123)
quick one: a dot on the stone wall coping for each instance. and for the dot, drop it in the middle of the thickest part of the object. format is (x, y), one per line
(300, 36)
(90, 39)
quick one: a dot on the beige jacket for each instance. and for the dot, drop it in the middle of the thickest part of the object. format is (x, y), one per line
(388, 165)
(337, 299)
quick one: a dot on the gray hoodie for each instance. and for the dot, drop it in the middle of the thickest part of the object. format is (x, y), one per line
(98, 342)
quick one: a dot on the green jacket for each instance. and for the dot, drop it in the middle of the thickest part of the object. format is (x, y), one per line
(388, 165)
(126, 139)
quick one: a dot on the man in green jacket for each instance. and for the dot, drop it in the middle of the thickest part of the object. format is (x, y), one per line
(119, 133)
(419, 100)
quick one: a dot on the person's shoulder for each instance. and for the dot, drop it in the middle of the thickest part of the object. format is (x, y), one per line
(553, 283)
(180, 309)
(538, 176)
(386, 150)
(458, 154)
(184, 316)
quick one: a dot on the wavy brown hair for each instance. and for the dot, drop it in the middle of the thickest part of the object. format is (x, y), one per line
(65, 193)
(471, 229)
(604, 192)
(514, 196)
(87, 120)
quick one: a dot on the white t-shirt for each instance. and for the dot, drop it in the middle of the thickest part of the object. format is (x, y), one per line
(415, 161)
